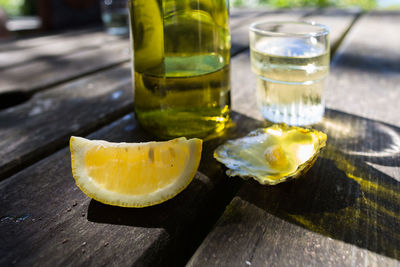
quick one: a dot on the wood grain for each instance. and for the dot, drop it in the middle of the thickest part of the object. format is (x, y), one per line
(240, 17)
(43, 124)
(40, 74)
(339, 22)
(56, 48)
(38, 40)
(46, 220)
(365, 73)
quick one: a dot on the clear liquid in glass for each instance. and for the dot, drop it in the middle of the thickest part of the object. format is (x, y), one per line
(290, 79)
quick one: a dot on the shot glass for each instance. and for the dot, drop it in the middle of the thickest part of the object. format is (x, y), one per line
(115, 16)
(291, 61)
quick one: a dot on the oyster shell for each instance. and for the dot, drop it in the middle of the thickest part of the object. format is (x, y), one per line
(272, 155)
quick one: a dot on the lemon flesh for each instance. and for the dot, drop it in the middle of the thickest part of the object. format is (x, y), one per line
(134, 174)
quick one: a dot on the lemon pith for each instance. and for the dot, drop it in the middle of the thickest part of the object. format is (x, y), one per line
(134, 174)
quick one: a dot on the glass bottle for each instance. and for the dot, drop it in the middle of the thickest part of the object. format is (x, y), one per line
(181, 58)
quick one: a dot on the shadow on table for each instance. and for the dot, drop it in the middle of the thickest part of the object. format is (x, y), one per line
(371, 62)
(353, 191)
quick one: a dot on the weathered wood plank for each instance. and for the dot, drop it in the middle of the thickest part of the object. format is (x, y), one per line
(34, 41)
(46, 220)
(345, 210)
(238, 16)
(242, 16)
(52, 49)
(44, 73)
(365, 73)
(338, 20)
(42, 125)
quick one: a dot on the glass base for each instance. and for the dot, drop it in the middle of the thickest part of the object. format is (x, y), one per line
(286, 115)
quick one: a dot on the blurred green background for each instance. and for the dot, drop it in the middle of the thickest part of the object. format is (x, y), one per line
(19, 7)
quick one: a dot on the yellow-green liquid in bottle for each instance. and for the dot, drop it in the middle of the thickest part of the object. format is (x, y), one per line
(181, 66)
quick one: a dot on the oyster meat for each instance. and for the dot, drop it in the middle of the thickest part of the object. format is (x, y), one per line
(272, 155)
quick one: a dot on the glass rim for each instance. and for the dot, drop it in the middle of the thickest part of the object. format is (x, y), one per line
(324, 29)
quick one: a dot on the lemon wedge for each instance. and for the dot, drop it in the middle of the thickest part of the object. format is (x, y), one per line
(134, 174)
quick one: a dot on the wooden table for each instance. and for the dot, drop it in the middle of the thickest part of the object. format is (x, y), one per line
(344, 212)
